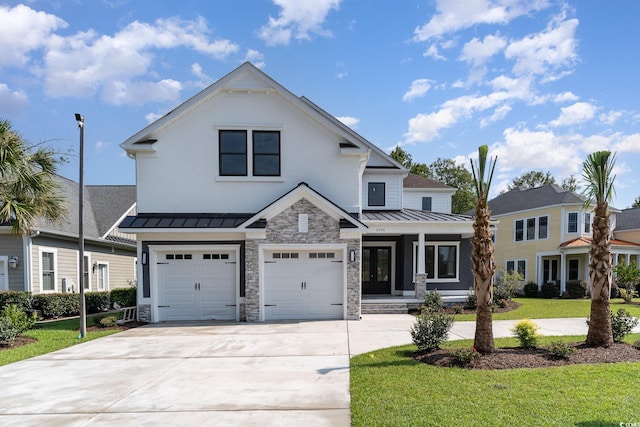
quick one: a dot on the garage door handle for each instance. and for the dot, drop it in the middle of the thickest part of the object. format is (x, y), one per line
(164, 306)
(269, 305)
(336, 304)
(231, 305)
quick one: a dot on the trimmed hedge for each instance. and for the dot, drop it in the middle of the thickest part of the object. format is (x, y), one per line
(20, 299)
(531, 290)
(57, 305)
(550, 290)
(97, 302)
(124, 297)
(577, 288)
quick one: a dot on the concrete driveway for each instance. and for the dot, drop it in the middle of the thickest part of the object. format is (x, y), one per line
(293, 373)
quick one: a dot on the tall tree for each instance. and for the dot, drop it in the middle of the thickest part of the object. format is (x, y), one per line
(636, 203)
(597, 172)
(482, 261)
(27, 186)
(402, 157)
(570, 184)
(532, 179)
(457, 176)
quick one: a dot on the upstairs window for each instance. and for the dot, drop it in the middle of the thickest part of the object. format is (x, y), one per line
(531, 229)
(47, 266)
(587, 223)
(572, 223)
(426, 203)
(543, 227)
(266, 153)
(233, 152)
(376, 194)
(519, 230)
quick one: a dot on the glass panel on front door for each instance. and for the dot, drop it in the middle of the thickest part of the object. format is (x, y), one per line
(376, 270)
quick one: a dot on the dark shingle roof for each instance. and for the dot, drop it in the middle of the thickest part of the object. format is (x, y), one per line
(109, 203)
(185, 220)
(416, 181)
(520, 199)
(628, 219)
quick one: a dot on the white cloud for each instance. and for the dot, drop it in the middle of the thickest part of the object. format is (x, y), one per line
(498, 114)
(152, 117)
(477, 52)
(12, 102)
(432, 52)
(297, 19)
(352, 122)
(22, 31)
(546, 52)
(101, 145)
(418, 88)
(86, 63)
(574, 114)
(203, 78)
(453, 15)
(628, 144)
(565, 97)
(611, 117)
(255, 57)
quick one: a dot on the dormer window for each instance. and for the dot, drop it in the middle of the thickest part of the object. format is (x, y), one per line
(376, 194)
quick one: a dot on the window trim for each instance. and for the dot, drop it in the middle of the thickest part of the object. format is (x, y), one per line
(515, 230)
(569, 223)
(586, 227)
(515, 262)
(88, 266)
(428, 199)
(538, 227)
(435, 245)
(384, 193)
(253, 152)
(106, 284)
(221, 154)
(569, 261)
(54, 251)
(524, 225)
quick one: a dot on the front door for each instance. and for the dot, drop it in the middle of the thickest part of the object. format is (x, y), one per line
(376, 270)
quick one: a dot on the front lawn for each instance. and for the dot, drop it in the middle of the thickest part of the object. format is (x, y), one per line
(51, 336)
(390, 388)
(543, 308)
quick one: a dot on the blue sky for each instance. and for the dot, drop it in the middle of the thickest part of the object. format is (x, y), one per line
(543, 83)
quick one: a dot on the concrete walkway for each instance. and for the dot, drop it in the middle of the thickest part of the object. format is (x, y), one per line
(284, 374)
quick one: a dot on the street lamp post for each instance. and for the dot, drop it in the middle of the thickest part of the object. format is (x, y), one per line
(83, 312)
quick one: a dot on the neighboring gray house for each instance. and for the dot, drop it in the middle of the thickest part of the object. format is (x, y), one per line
(47, 259)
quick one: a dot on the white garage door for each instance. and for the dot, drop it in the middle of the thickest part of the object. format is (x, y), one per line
(303, 285)
(197, 285)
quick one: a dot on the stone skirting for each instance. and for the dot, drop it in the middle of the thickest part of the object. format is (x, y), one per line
(144, 312)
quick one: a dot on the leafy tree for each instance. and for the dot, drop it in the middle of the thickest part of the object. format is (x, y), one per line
(27, 186)
(597, 172)
(532, 179)
(627, 278)
(482, 260)
(636, 203)
(402, 157)
(570, 184)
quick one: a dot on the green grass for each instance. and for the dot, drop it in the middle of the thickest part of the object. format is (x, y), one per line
(389, 388)
(542, 308)
(52, 336)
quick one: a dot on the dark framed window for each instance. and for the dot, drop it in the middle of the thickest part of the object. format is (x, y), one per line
(429, 265)
(447, 262)
(519, 230)
(426, 203)
(574, 265)
(531, 228)
(233, 152)
(587, 222)
(543, 227)
(519, 266)
(572, 226)
(266, 153)
(376, 194)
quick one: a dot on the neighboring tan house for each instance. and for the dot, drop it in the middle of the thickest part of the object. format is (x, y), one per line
(47, 259)
(545, 234)
(255, 204)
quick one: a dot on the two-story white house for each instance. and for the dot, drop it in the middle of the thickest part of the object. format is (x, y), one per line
(255, 204)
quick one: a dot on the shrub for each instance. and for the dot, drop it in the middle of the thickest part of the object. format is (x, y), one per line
(636, 344)
(506, 285)
(525, 331)
(8, 330)
(108, 321)
(21, 299)
(463, 356)
(430, 330)
(531, 290)
(502, 303)
(124, 297)
(19, 318)
(433, 301)
(57, 305)
(622, 324)
(472, 301)
(97, 302)
(458, 309)
(560, 350)
(627, 294)
(550, 290)
(577, 288)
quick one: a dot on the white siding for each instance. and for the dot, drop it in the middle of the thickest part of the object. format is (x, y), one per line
(440, 202)
(393, 190)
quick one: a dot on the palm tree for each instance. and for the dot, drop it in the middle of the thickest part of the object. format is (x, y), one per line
(482, 253)
(597, 172)
(28, 189)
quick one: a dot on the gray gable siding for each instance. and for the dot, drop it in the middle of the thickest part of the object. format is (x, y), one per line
(11, 245)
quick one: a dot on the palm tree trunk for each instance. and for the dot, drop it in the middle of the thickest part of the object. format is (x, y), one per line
(483, 268)
(600, 333)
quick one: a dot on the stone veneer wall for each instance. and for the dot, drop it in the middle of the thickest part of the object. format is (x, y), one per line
(421, 286)
(284, 229)
(144, 313)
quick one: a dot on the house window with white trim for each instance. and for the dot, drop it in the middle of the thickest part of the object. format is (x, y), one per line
(102, 272)
(531, 228)
(47, 267)
(574, 268)
(517, 265)
(543, 227)
(426, 203)
(587, 223)
(376, 194)
(519, 230)
(572, 222)
(442, 261)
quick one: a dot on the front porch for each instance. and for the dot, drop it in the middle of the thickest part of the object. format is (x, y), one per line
(396, 304)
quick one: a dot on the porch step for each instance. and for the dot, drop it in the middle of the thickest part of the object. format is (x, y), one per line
(388, 307)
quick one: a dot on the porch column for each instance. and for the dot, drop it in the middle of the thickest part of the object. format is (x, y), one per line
(421, 276)
(563, 273)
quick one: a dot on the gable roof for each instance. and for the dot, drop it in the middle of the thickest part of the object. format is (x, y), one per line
(521, 199)
(103, 205)
(249, 78)
(416, 181)
(628, 219)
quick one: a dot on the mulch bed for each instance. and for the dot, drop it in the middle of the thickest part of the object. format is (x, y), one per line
(511, 305)
(512, 358)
